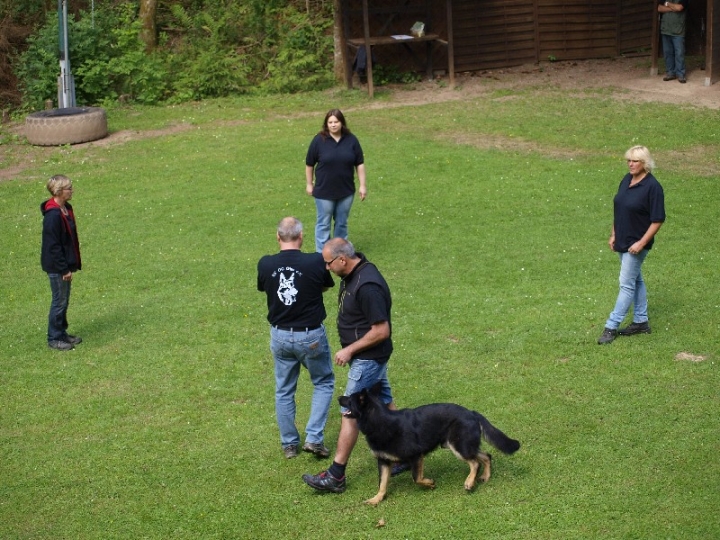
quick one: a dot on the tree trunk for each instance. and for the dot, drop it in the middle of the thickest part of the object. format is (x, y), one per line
(148, 34)
(339, 39)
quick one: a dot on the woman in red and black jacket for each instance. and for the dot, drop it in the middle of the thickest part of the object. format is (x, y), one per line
(60, 258)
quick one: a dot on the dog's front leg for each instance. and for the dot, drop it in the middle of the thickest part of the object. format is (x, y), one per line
(384, 468)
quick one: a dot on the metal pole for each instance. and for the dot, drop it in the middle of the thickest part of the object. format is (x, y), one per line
(66, 83)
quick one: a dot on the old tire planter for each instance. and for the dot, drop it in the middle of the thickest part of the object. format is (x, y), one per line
(71, 125)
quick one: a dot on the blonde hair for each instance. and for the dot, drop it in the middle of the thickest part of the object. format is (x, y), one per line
(57, 183)
(641, 154)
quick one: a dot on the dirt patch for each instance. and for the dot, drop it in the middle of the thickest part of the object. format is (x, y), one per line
(625, 79)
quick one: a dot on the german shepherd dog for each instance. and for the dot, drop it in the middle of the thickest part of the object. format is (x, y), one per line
(407, 435)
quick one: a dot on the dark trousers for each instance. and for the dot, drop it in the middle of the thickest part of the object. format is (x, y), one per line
(57, 318)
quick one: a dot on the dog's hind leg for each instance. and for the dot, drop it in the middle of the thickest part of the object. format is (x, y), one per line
(384, 468)
(486, 460)
(474, 468)
(418, 472)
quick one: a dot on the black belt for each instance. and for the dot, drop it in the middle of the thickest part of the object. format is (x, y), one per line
(291, 329)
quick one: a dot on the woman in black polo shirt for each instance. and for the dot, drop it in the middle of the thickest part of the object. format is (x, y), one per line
(639, 212)
(333, 156)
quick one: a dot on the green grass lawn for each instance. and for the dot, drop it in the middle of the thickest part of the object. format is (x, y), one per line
(489, 219)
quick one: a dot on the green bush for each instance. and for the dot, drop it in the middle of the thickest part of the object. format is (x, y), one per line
(303, 60)
(206, 51)
(106, 57)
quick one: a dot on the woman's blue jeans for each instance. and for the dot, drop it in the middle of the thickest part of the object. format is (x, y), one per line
(57, 318)
(290, 350)
(327, 212)
(632, 291)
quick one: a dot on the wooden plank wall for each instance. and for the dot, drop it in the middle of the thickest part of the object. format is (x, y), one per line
(576, 29)
(634, 37)
(493, 34)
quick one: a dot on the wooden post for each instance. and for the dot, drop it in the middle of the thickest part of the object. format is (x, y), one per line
(655, 38)
(450, 49)
(368, 49)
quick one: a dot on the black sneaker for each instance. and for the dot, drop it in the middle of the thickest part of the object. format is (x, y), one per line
(74, 340)
(61, 345)
(399, 468)
(319, 449)
(608, 336)
(635, 328)
(290, 451)
(325, 482)
(669, 78)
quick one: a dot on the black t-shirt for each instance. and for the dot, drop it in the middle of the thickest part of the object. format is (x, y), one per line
(334, 164)
(293, 282)
(636, 208)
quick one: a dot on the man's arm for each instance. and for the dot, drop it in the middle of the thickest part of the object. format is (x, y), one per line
(378, 333)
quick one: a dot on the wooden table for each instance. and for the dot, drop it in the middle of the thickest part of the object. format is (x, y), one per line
(356, 43)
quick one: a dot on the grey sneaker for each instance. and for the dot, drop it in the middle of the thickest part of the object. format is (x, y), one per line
(635, 328)
(290, 451)
(318, 449)
(73, 340)
(608, 336)
(60, 345)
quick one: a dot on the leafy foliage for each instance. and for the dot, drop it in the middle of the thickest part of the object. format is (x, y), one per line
(107, 59)
(205, 50)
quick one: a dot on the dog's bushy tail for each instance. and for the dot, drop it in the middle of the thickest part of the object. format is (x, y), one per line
(496, 437)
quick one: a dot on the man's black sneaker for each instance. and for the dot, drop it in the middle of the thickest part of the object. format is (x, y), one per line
(325, 482)
(635, 328)
(608, 336)
(290, 451)
(399, 468)
(60, 345)
(74, 340)
(319, 449)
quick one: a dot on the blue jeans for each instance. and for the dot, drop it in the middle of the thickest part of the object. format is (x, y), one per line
(328, 211)
(364, 374)
(290, 350)
(674, 53)
(57, 318)
(632, 291)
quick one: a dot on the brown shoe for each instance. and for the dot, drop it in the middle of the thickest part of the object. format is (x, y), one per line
(669, 78)
(318, 449)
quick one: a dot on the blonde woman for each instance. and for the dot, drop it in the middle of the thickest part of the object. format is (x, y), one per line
(639, 212)
(60, 258)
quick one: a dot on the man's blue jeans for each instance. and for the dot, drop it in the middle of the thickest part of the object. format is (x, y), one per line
(327, 212)
(290, 350)
(57, 318)
(632, 291)
(363, 374)
(674, 53)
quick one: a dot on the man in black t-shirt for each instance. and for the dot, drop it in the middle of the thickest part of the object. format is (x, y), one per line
(294, 283)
